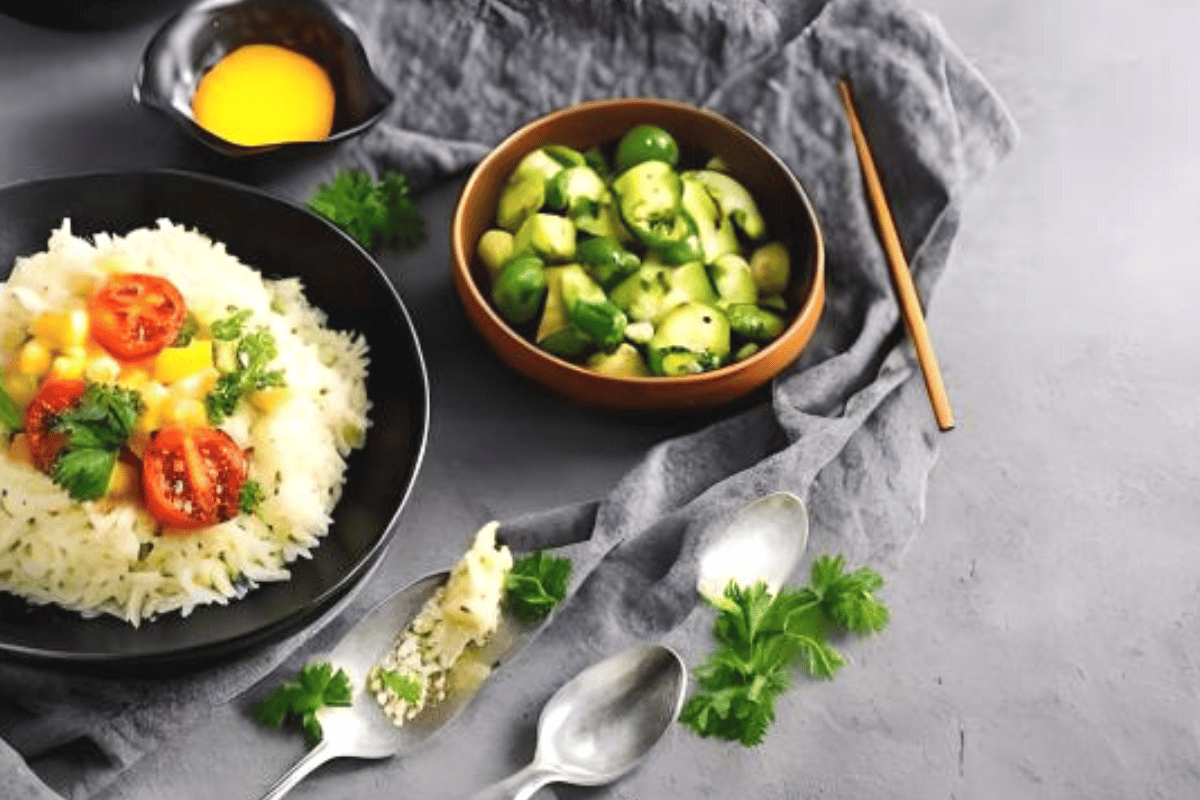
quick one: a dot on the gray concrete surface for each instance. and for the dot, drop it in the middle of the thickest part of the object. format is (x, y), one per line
(1045, 633)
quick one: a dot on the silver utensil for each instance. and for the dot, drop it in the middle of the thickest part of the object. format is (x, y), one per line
(602, 723)
(763, 541)
(362, 729)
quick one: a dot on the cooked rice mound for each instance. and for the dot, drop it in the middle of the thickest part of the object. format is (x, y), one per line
(105, 558)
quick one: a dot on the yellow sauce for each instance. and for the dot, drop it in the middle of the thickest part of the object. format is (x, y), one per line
(265, 94)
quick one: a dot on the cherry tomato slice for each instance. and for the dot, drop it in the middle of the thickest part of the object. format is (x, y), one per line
(192, 478)
(136, 315)
(53, 398)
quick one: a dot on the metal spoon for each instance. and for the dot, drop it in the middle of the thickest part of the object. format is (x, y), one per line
(602, 723)
(761, 542)
(362, 729)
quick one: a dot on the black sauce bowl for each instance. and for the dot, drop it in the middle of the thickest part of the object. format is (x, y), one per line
(199, 35)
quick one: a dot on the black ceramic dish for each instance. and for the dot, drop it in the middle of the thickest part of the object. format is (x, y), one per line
(86, 14)
(279, 239)
(196, 38)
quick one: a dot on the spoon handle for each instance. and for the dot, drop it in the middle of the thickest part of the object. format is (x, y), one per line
(314, 758)
(518, 786)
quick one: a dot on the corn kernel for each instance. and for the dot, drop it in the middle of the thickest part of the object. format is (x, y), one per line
(102, 368)
(133, 378)
(176, 363)
(21, 388)
(268, 400)
(70, 364)
(59, 332)
(186, 412)
(33, 359)
(123, 483)
(198, 384)
(18, 450)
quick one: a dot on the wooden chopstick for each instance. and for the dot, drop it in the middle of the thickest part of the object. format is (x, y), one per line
(910, 304)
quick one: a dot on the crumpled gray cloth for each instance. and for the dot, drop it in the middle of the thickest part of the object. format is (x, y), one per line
(848, 427)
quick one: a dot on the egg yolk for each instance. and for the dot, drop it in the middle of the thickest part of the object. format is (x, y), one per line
(265, 94)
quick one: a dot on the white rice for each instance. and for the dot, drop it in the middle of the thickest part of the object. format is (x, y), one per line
(97, 558)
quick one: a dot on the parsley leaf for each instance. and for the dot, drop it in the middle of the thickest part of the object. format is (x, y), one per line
(229, 328)
(96, 428)
(252, 496)
(372, 212)
(253, 353)
(187, 331)
(535, 585)
(761, 638)
(10, 412)
(406, 687)
(301, 697)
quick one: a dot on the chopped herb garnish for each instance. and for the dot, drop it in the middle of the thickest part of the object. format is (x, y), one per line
(760, 638)
(313, 688)
(252, 496)
(372, 212)
(187, 332)
(406, 687)
(10, 412)
(96, 430)
(535, 585)
(254, 352)
(229, 328)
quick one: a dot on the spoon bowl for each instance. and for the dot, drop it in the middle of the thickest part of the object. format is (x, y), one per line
(603, 722)
(763, 542)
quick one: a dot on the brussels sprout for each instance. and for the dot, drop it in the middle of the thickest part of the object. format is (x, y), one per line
(495, 249)
(693, 337)
(772, 268)
(734, 201)
(590, 310)
(753, 322)
(575, 190)
(643, 143)
(519, 289)
(518, 200)
(555, 333)
(605, 260)
(623, 362)
(548, 236)
(733, 279)
(717, 236)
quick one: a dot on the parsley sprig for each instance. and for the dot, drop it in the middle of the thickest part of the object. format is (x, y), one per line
(252, 354)
(536, 584)
(96, 430)
(314, 687)
(10, 412)
(372, 212)
(761, 637)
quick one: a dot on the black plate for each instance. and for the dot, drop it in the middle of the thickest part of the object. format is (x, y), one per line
(279, 239)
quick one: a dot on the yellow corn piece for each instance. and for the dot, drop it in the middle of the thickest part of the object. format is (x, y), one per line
(186, 412)
(197, 384)
(132, 377)
(102, 368)
(21, 388)
(123, 483)
(18, 450)
(58, 332)
(267, 400)
(70, 364)
(176, 363)
(33, 359)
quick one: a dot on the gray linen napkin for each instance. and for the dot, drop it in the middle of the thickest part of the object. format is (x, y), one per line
(848, 427)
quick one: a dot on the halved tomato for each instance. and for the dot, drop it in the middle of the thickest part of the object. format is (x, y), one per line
(193, 477)
(53, 398)
(135, 315)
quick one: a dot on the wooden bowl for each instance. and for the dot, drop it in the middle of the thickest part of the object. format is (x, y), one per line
(700, 134)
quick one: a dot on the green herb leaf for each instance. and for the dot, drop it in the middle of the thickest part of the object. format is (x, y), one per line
(536, 584)
(371, 212)
(253, 354)
(252, 496)
(406, 687)
(96, 428)
(10, 412)
(314, 687)
(187, 332)
(762, 637)
(229, 328)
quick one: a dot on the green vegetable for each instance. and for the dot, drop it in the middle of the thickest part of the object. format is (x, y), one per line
(575, 190)
(643, 143)
(717, 236)
(772, 267)
(692, 338)
(406, 687)
(520, 198)
(495, 249)
(606, 260)
(519, 289)
(316, 686)
(187, 332)
(536, 584)
(649, 197)
(733, 279)
(10, 412)
(589, 310)
(371, 212)
(548, 236)
(734, 200)
(760, 638)
(228, 329)
(555, 333)
(252, 496)
(254, 352)
(96, 430)
(623, 362)
(752, 322)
